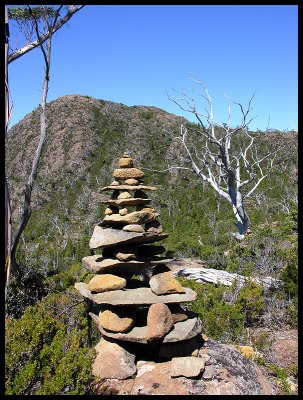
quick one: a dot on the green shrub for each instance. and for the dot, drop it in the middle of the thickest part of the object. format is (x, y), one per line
(225, 311)
(219, 320)
(46, 352)
(146, 114)
(289, 274)
(251, 301)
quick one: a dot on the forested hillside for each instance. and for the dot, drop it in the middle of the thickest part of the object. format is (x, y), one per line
(86, 137)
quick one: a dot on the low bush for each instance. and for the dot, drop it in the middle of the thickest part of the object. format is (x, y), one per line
(225, 312)
(48, 350)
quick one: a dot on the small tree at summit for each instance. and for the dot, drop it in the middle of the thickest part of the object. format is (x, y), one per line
(226, 158)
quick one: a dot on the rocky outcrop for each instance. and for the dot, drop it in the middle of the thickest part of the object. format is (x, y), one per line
(225, 372)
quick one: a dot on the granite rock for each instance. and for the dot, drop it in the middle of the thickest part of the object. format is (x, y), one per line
(140, 296)
(132, 182)
(113, 361)
(159, 322)
(135, 217)
(164, 283)
(107, 237)
(117, 320)
(126, 162)
(126, 173)
(105, 283)
(133, 228)
(124, 195)
(189, 367)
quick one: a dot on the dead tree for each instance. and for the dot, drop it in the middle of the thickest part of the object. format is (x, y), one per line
(224, 157)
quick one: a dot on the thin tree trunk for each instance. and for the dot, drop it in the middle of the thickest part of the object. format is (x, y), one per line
(243, 221)
(27, 209)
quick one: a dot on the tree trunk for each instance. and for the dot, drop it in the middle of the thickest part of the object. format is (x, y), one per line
(243, 221)
(27, 210)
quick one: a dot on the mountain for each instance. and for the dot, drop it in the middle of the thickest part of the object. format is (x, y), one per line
(85, 138)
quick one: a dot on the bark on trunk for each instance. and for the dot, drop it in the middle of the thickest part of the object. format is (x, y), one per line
(243, 221)
(29, 186)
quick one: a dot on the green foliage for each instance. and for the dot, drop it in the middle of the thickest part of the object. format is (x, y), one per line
(293, 312)
(252, 303)
(23, 13)
(281, 376)
(222, 319)
(47, 353)
(146, 114)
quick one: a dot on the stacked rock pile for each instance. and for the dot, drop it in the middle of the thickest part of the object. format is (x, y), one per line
(136, 296)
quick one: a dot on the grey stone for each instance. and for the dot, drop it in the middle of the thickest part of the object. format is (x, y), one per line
(186, 366)
(133, 228)
(209, 372)
(181, 331)
(113, 361)
(128, 202)
(138, 296)
(129, 187)
(109, 237)
(97, 264)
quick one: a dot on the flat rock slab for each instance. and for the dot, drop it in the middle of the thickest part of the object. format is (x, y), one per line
(132, 201)
(135, 217)
(140, 296)
(98, 265)
(109, 237)
(189, 367)
(113, 361)
(181, 331)
(129, 187)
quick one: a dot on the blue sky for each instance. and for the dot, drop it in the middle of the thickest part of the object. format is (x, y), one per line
(133, 54)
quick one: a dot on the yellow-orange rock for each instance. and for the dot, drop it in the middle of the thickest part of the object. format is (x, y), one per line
(247, 351)
(118, 320)
(126, 173)
(131, 181)
(124, 195)
(159, 322)
(123, 211)
(126, 162)
(105, 283)
(165, 283)
(135, 217)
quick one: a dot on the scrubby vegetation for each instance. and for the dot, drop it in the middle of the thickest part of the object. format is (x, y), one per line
(45, 328)
(48, 350)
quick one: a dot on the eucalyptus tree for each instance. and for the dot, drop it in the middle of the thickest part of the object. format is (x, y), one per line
(225, 157)
(37, 25)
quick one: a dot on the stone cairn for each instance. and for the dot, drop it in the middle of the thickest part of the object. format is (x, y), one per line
(135, 295)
